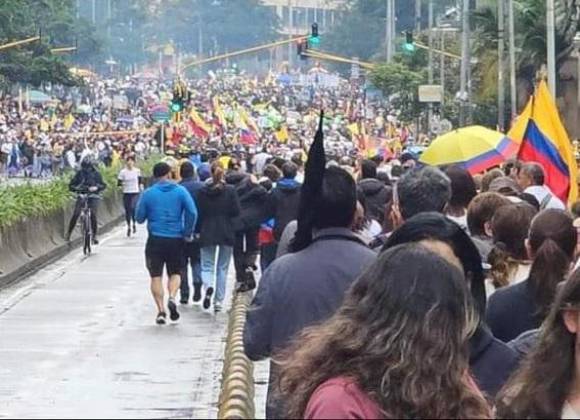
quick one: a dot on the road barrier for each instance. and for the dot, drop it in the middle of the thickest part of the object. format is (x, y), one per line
(237, 392)
(29, 245)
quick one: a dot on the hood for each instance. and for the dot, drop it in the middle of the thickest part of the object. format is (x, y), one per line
(479, 343)
(234, 178)
(212, 189)
(288, 185)
(166, 186)
(371, 186)
(248, 191)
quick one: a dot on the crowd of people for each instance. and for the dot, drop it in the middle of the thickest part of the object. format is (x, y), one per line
(388, 289)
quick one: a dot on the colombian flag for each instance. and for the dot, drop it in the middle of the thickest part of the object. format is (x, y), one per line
(199, 127)
(544, 140)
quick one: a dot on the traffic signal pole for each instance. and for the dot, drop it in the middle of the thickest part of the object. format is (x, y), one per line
(243, 52)
(19, 43)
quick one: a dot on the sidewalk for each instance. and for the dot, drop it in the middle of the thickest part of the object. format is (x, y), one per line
(78, 340)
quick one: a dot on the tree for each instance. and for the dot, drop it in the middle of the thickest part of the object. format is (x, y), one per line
(401, 85)
(34, 63)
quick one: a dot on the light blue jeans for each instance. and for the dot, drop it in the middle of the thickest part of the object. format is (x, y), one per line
(210, 270)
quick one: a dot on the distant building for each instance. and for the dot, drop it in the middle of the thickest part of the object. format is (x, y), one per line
(296, 16)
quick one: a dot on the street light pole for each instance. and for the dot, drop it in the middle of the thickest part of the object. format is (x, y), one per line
(388, 32)
(551, 37)
(430, 71)
(465, 59)
(500, 66)
(442, 111)
(290, 33)
(512, 53)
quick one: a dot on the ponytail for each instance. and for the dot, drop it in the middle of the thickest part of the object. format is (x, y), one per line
(217, 173)
(502, 265)
(550, 267)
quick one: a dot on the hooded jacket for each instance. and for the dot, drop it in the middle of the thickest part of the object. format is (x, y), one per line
(283, 205)
(218, 207)
(169, 210)
(86, 178)
(377, 195)
(253, 200)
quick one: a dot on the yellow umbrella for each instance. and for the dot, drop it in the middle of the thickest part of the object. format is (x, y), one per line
(476, 148)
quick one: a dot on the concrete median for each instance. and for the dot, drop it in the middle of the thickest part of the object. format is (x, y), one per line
(31, 244)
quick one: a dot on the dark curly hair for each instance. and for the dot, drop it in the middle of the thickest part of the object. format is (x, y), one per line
(401, 335)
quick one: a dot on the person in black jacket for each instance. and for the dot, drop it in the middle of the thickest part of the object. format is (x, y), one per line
(253, 199)
(376, 193)
(283, 203)
(218, 207)
(86, 181)
(192, 252)
(490, 360)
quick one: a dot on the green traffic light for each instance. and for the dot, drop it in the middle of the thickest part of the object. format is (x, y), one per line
(409, 47)
(314, 40)
(175, 107)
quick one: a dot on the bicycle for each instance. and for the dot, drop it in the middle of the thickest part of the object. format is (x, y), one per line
(86, 226)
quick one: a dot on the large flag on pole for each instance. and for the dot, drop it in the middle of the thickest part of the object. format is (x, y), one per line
(198, 125)
(546, 142)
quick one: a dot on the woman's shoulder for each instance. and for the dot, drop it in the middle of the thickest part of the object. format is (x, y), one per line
(341, 397)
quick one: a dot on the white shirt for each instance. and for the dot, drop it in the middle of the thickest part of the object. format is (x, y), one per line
(568, 412)
(541, 192)
(130, 180)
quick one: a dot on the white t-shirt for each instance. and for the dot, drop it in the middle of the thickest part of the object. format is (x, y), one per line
(130, 180)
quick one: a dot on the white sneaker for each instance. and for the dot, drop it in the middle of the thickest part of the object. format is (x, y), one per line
(217, 307)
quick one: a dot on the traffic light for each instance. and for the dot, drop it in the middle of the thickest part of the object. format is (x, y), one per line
(302, 49)
(314, 36)
(409, 45)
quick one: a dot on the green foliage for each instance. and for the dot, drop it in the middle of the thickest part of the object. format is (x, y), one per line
(401, 84)
(56, 21)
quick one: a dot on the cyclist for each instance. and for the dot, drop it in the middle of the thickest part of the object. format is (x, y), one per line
(88, 181)
(131, 182)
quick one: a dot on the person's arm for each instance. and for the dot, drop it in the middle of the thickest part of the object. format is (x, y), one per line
(190, 213)
(75, 183)
(234, 206)
(141, 212)
(101, 186)
(259, 318)
(120, 178)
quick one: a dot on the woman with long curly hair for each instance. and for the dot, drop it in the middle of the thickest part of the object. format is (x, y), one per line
(548, 383)
(397, 347)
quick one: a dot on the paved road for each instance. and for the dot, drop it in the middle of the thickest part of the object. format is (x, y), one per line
(78, 340)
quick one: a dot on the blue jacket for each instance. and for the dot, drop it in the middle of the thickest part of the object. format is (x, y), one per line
(168, 209)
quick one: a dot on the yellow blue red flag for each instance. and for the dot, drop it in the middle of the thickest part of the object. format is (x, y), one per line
(546, 142)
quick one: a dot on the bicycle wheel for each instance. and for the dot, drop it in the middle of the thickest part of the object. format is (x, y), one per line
(86, 231)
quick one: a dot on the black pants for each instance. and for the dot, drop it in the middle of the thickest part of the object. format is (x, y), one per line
(93, 205)
(130, 204)
(246, 251)
(192, 257)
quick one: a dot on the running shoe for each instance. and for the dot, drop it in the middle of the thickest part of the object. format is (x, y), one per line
(217, 307)
(207, 300)
(196, 292)
(173, 314)
(161, 318)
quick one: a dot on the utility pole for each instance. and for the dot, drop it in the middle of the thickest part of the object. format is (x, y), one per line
(418, 15)
(442, 76)
(465, 60)
(551, 37)
(94, 11)
(430, 70)
(500, 66)
(512, 53)
(290, 33)
(388, 32)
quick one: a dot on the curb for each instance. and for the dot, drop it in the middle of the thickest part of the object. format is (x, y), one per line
(237, 391)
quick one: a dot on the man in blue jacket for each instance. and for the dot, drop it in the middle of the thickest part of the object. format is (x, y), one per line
(171, 215)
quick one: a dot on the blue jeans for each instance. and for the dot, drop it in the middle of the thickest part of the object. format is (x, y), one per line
(219, 272)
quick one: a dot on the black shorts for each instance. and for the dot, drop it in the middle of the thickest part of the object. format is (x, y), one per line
(164, 252)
